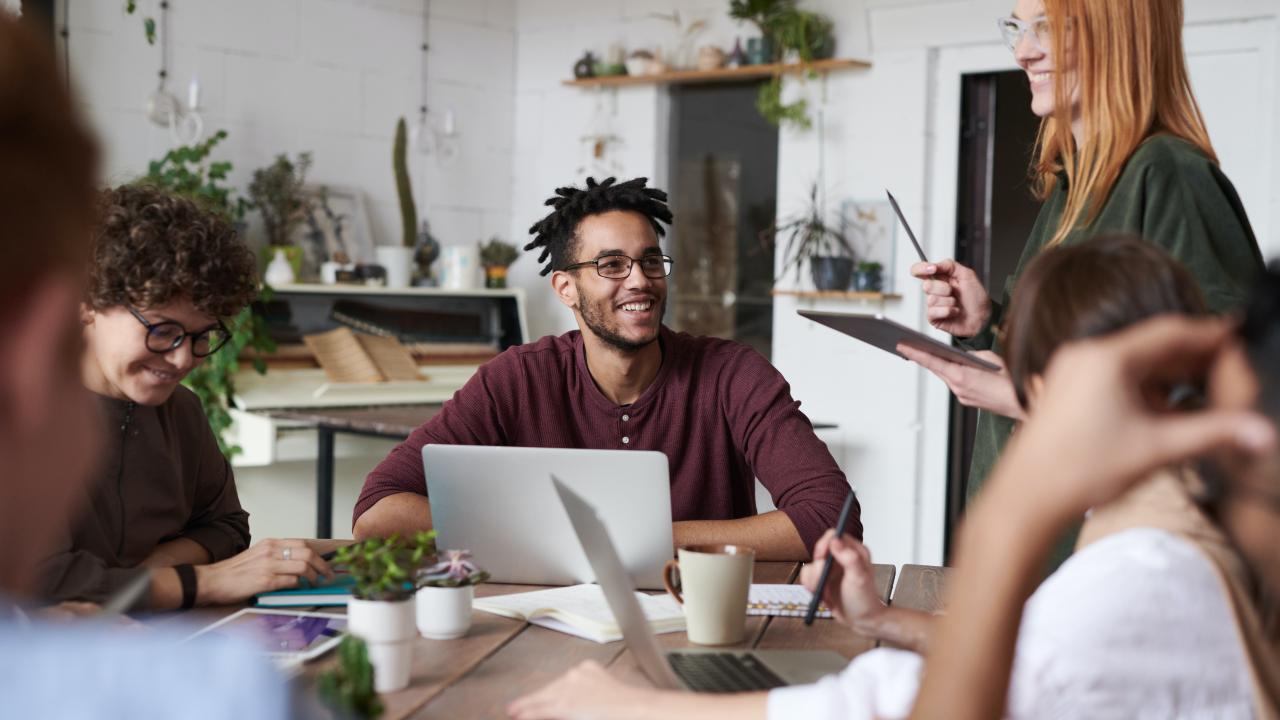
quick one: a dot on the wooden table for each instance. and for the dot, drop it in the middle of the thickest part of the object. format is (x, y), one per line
(394, 422)
(500, 659)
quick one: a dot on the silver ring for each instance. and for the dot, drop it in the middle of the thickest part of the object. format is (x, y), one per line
(286, 553)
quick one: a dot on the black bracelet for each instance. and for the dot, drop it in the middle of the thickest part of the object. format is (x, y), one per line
(187, 576)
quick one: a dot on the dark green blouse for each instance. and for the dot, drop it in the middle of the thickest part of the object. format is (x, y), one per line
(1169, 193)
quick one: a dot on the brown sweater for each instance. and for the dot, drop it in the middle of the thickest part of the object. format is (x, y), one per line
(162, 478)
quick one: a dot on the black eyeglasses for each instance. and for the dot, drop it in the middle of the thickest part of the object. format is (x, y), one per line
(617, 267)
(163, 337)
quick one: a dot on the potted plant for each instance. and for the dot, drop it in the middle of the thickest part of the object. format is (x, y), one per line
(809, 239)
(762, 14)
(868, 277)
(381, 610)
(787, 33)
(397, 260)
(445, 593)
(495, 257)
(348, 688)
(276, 191)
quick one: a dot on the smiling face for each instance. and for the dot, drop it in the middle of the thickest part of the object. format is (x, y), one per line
(117, 362)
(625, 313)
(1034, 55)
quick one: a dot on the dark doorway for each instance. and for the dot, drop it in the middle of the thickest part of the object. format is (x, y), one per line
(995, 214)
(724, 177)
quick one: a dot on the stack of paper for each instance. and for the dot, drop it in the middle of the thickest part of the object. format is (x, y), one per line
(581, 610)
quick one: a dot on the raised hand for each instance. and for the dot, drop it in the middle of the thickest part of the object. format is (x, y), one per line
(956, 301)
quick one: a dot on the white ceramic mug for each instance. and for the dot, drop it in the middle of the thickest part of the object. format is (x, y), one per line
(713, 587)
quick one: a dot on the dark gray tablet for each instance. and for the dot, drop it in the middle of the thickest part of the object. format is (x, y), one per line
(885, 334)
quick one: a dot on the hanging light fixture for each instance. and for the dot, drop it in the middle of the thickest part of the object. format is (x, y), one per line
(163, 107)
(434, 134)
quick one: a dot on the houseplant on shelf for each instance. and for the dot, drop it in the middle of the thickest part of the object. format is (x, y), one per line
(760, 13)
(868, 277)
(809, 239)
(445, 592)
(277, 192)
(381, 610)
(398, 259)
(495, 257)
(788, 34)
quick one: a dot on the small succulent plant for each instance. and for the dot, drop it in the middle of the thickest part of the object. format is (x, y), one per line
(385, 568)
(455, 569)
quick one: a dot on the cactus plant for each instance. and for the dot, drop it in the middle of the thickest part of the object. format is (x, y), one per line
(408, 211)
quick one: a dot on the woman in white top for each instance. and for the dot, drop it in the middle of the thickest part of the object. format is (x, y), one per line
(1135, 624)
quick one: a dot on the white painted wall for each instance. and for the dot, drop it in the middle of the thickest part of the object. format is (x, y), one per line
(328, 76)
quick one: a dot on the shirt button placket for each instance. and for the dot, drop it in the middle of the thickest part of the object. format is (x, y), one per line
(626, 439)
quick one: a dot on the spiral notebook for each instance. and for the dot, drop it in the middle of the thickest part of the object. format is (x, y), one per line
(782, 600)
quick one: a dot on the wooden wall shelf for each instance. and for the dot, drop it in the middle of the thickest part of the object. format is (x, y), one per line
(738, 74)
(837, 295)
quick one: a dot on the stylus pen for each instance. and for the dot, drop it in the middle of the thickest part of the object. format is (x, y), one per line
(826, 567)
(906, 225)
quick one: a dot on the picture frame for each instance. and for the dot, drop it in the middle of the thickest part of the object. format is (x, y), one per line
(872, 229)
(337, 220)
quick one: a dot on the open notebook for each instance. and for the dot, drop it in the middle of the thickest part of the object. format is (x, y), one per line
(581, 610)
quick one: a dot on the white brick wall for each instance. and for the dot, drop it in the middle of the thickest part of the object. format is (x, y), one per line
(328, 76)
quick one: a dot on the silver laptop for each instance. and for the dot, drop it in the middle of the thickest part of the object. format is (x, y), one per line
(692, 669)
(498, 503)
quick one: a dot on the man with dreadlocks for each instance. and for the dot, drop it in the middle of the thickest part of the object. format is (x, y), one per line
(717, 409)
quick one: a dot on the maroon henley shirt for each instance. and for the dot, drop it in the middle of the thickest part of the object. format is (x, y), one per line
(717, 409)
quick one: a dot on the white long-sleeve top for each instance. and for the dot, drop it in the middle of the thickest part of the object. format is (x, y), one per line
(1135, 625)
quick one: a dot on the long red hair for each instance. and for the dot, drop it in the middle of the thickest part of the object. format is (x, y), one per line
(1132, 78)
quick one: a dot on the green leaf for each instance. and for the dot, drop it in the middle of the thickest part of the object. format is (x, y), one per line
(149, 28)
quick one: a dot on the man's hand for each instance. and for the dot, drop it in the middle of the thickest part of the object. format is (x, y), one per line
(1094, 432)
(850, 591)
(982, 389)
(957, 302)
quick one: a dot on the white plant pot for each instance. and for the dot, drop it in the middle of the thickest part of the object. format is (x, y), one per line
(398, 262)
(460, 267)
(444, 613)
(388, 629)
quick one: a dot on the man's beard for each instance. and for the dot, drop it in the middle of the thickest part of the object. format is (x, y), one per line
(596, 322)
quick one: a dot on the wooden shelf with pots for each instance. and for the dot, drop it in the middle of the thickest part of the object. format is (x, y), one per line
(744, 73)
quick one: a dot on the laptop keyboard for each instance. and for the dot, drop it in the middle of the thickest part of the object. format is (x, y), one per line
(723, 672)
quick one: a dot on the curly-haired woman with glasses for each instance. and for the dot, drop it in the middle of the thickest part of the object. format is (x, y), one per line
(164, 277)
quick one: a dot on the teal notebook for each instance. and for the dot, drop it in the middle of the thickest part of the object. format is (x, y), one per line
(334, 592)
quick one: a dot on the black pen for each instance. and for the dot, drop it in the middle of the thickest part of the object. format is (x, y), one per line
(826, 568)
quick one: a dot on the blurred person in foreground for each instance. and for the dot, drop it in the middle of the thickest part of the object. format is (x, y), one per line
(1094, 436)
(49, 442)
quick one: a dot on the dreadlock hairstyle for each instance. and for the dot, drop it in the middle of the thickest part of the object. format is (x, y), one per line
(557, 233)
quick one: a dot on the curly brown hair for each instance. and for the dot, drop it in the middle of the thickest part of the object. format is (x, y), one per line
(151, 248)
